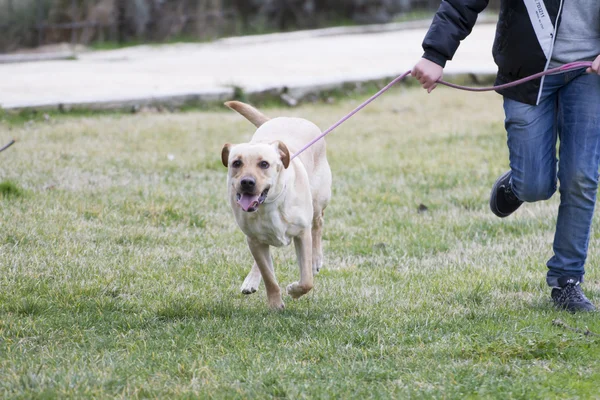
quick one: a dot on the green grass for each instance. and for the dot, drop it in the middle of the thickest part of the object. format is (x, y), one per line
(120, 268)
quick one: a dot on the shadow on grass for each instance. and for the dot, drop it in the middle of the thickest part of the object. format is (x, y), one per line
(236, 308)
(10, 189)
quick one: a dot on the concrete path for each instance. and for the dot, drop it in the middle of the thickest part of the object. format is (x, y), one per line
(208, 72)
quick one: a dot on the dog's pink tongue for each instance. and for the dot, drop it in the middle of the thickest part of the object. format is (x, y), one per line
(248, 200)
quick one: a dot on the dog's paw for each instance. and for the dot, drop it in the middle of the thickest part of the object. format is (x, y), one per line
(295, 290)
(316, 268)
(250, 284)
(276, 305)
(317, 264)
(249, 287)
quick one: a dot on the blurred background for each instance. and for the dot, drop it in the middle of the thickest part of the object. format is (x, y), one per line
(114, 23)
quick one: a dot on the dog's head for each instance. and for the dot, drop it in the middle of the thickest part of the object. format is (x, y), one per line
(253, 167)
(253, 170)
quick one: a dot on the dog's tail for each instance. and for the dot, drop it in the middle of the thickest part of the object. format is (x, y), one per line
(248, 112)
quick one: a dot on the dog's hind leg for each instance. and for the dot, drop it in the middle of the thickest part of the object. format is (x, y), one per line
(317, 246)
(303, 244)
(252, 281)
(262, 256)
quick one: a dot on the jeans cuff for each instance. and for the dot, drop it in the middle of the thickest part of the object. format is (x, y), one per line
(552, 281)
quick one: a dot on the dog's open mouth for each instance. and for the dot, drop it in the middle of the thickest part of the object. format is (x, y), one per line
(250, 202)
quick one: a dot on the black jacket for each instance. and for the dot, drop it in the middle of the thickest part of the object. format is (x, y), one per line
(523, 38)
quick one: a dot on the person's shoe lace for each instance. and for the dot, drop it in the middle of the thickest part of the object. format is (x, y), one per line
(572, 293)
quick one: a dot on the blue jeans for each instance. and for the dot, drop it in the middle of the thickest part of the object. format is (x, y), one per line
(569, 111)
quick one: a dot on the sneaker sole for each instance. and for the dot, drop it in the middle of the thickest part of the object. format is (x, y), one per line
(574, 308)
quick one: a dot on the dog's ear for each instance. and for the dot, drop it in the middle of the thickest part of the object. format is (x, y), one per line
(225, 154)
(284, 153)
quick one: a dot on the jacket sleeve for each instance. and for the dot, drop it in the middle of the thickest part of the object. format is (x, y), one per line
(452, 22)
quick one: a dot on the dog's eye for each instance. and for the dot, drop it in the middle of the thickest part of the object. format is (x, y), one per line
(236, 164)
(263, 164)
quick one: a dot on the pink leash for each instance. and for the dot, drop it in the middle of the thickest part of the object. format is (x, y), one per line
(564, 68)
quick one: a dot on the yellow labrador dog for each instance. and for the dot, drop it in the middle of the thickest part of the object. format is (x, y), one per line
(276, 200)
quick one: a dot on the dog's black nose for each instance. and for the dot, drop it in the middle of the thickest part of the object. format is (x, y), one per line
(248, 183)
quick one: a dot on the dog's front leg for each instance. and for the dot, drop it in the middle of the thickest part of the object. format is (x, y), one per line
(262, 256)
(303, 244)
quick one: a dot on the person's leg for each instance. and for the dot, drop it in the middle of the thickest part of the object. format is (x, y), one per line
(579, 155)
(531, 138)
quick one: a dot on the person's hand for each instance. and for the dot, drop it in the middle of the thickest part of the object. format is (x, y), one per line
(428, 73)
(595, 68)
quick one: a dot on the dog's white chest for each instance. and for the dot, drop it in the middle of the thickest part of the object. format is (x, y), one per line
(273, 238)
(266, 228)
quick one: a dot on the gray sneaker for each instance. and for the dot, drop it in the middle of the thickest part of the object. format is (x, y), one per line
(569, 296)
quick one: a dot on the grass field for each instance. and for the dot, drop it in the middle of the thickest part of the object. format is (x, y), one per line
(120, 264)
